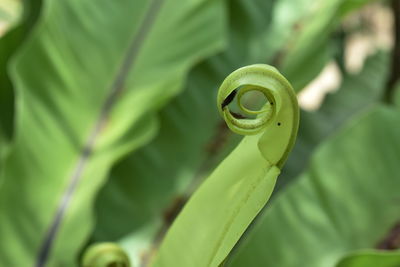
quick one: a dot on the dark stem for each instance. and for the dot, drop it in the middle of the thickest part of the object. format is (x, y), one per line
(392, 239)
(340, 41)
(394, 75)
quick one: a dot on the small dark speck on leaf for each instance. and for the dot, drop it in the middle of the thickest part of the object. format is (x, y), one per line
(279, 124)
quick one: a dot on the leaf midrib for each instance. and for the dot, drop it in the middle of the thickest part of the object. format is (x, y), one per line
(83, 158)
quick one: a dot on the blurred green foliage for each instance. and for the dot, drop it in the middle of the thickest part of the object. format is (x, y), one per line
(108, 124)
(371, 258)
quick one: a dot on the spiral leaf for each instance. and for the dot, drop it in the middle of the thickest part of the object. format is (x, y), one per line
(280, 112)
(105, 255)
(220, 211)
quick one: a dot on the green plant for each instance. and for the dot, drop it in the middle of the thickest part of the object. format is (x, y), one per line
(226, 203)
(108, 128)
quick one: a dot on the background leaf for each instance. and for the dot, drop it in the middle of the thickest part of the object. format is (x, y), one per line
(312, 46)
(347, 199)
(8, 45)
(371, 259)
(91, 101)
(357, 93)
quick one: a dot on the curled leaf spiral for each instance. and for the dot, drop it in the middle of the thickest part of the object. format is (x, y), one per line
(105, 255)
(276, 122)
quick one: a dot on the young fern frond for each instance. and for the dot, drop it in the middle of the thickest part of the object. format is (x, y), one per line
(105, 255)
(278, 118)
(222, 208)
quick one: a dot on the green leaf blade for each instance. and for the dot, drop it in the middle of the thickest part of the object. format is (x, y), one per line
(225, 214)
(92, 100)
(372, 258)
(345, 201)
